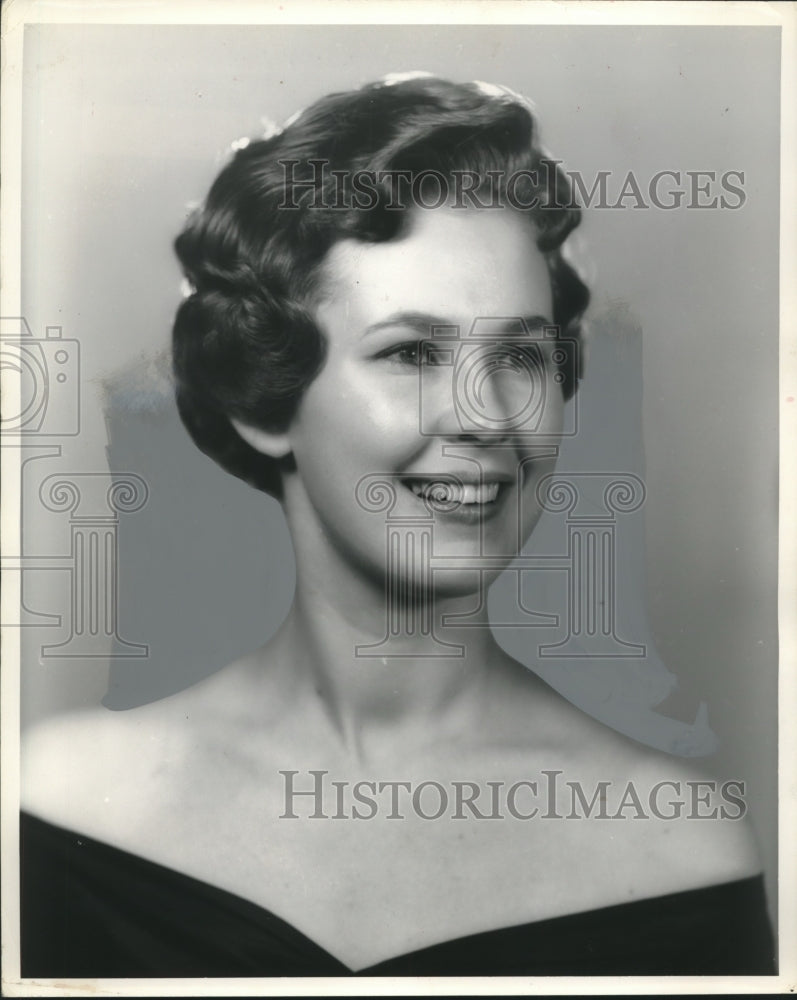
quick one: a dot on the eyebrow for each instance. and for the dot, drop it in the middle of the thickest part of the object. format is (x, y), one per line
(423, 323)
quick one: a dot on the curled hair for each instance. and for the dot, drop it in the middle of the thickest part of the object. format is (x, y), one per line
(245, 343)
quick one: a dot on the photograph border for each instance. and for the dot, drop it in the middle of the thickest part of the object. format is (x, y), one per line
(15, 15)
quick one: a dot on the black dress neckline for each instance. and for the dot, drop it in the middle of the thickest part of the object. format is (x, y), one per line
(98, 871)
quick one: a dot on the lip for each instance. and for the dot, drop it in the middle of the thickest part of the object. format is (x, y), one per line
(468, 477)
(471, 513)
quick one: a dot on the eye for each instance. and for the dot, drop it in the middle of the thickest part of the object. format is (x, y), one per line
(518, 358)
(407, 354)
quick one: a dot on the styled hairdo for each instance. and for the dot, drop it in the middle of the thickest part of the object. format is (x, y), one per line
(245, 344)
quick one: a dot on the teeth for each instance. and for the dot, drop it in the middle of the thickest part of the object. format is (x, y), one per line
(453, 493)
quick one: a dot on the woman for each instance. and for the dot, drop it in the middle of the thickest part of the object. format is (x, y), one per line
(382, 331)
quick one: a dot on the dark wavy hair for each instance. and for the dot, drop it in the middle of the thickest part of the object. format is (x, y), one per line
(245, 343)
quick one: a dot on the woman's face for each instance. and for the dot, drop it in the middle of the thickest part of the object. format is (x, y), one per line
(463, 427)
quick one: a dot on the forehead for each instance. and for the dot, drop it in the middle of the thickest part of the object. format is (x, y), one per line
(455, 263)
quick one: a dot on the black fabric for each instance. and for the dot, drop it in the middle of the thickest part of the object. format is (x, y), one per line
(91, 910)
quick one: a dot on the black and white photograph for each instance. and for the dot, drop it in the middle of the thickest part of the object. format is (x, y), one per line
(395, 507)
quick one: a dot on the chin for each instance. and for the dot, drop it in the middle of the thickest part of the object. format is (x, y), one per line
(446, 583)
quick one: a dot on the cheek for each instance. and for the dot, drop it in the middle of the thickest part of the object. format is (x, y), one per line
(353, 416)
(392, 417)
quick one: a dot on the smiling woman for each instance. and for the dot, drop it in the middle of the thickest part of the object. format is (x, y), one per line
(372, 381)
(395, 370)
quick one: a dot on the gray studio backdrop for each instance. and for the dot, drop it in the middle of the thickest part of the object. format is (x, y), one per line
(125, 126)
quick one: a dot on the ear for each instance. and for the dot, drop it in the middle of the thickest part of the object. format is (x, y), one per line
(274, 444)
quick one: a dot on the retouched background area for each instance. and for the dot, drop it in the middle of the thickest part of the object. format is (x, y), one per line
(125, 126)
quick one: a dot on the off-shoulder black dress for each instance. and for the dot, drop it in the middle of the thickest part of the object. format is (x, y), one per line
(91, 910)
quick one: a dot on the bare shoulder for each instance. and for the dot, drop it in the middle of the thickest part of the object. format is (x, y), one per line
(82, 769)
(652, 822)
(106, 773)
(699, 822)
(681, 826)
(110, 774)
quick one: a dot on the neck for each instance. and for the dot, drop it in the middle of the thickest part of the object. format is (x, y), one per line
(385, 673)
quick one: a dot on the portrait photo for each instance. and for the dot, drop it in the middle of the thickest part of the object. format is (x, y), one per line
(394, 525)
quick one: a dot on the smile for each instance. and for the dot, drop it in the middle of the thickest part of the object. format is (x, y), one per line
(457, 499)
(439, 492)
